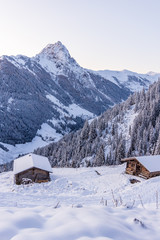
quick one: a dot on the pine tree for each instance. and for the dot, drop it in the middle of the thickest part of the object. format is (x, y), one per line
(157, 149)
(121, 152)
(93, 131)
(113, 130)
(100, 157)
(85, 131)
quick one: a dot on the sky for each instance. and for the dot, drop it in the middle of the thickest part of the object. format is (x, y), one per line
(99, 34)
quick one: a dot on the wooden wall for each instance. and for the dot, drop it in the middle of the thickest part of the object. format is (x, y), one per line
(135, 168)
(34, 174)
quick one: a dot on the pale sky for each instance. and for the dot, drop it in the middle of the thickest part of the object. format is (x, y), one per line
(99, 34)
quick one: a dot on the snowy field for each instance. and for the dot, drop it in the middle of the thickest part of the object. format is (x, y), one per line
(81, 204)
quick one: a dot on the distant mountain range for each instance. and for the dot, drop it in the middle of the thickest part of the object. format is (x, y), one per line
(130, 80)
(49, 95)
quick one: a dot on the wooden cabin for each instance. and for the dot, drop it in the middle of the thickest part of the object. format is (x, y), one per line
(146, 166)
(31, 168)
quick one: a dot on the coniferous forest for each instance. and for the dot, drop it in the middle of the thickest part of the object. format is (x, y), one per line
(128, 129)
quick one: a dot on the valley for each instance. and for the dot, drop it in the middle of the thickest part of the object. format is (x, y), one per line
(55, 97)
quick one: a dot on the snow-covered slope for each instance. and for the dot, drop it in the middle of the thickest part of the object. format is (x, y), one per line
(132, 80)
(54, 58)
(50, 95)
(79, 204)
(128, 129)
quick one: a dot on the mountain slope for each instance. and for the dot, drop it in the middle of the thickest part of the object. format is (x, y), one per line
(131, 80)
(89, 90)
(44, 97)
(48, 87)
(130, 128)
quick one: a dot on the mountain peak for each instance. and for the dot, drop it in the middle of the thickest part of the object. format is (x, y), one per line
(55, 58)
(56, 51)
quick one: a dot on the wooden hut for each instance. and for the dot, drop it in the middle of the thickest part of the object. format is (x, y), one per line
(31, 168)
(146, 166)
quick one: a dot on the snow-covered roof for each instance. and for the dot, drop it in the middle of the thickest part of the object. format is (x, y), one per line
(29, 161)
(152, 162)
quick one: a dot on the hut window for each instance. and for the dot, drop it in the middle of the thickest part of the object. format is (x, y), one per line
(132, 164)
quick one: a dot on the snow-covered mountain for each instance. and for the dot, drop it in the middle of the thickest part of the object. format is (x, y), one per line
(55, 59)
(131, 80)
(50, 86)
(49, 95)
(128, 129)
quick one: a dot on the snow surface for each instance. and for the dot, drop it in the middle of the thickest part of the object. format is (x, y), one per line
(10, 100)
(79, 204)
(76, 110)
(15, 151)
(72, 109)
(48, 133)
(29, 161)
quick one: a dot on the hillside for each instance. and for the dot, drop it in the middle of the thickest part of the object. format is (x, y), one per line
(47, 96)
(86, 186)
(44, 97)
(128, 129)
(50, 88)
(79, 204)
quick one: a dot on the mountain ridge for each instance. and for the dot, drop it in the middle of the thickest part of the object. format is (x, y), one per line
(69, 84)
(50, 95)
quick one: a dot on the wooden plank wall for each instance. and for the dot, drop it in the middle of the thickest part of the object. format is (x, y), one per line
(131, 168)
(36, 175)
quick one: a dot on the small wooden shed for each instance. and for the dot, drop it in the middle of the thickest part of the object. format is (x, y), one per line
(31, 168)
(146, 166)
